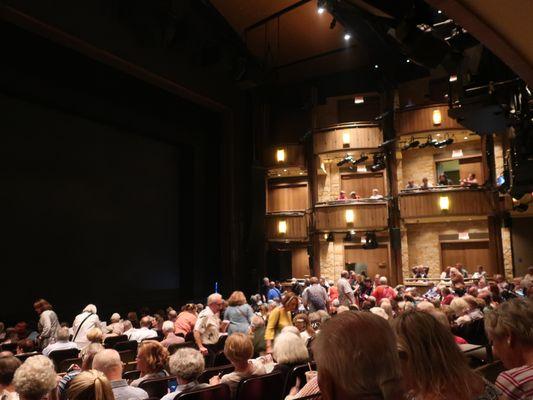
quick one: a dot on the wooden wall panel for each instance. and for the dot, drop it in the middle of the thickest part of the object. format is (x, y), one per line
(364, 137)
(294, 156)
(372, 258)
(300, 262)
(469, 253)
(462, 202)
(287, 198)
(363, 184)
(367, 216)
(296, 227)
(420, 119)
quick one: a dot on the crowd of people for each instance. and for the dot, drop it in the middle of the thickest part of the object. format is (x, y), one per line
(443, 180)
(369, 340)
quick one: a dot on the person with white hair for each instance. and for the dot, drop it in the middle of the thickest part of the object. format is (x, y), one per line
(35, 378)
(83, 323)
(108, 361)
(144, 332)
(63, 342)
(383, 290)
(186, 364)
(208, 327)
(116, 327)
(170, 337)
(289, 351)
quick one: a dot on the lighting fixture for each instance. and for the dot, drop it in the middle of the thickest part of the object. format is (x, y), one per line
(347, 36)
(453, 78)
(444, 203)
(386, 143)
(350, 216)
(330, 237)
(346, 139)
(284, 170)
(411, 144)
(348, 237)
(379, 162)
(320, 10)
(282, 227)
(443, 143)
(325, 236)
(437, 117)
(347, 158)
(359, 100)
(466, 137)
(429, 142)
(363, 240)
(408, 61)
(371, 241)
(376, 66)
(361, 159)
(280, 155)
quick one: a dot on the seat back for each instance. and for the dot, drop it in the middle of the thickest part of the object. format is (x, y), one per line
(64, 365)
(210, 372)
(127, 356)
(174, 347)
(131, 375)
(189, 337)
(221, 359)
(297, 372)
(24, 356)
(126, 345)
(262, 387)
(491, 371)
(12, 347)
(157, 387)
(216, 392)
(110, 341)
(473, 332)
(59, 355)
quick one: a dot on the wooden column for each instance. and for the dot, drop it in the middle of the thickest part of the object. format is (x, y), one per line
(387, 106)
(314, 238)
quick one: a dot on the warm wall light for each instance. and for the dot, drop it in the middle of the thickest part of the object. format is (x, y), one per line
(350, 216)
(359, 100)
(282, 227)
(437, 117)
(444, 203)
(346, 139)
(280, 155)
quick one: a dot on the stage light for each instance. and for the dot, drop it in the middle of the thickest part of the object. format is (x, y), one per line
(330, 237)
(371, 241)
(408, 61)
(349, 236)
(347, 158)
(350, 216)
(444, 203)
(376, 66)
(359, 100)
(361, 159)
(387, 142)
(437, 117)
(411, 144)
(280, 155)
(428, 142)
(443, 143)
(439, 11)
(282, 227)
(378, 162)
(346, 139)
(325, 236)
(347, 36)
(320, 10)
(453, 78)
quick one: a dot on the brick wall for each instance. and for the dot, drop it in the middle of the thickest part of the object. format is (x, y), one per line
(329, 185)
(332, 258)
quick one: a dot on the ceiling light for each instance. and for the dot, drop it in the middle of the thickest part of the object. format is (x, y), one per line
(320, 10)
(359, 100)
(408, 61)
(376, 66)
(453, 78)
(466, 137)
(347, 36)
(437, 117)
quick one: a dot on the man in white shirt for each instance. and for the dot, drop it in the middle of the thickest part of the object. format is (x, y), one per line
(144, 332)
(376, 195)
(83, 323)
(62, 343)
(207, 328)
(346, 295)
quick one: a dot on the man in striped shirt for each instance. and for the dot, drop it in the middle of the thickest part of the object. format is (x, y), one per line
(517, 383)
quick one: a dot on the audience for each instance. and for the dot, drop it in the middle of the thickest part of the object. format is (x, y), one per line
(62, 343)
(257, 334)
(152, 358)
(315, 296)
(170, 337)
(8, 366)
(144, 332)
(383, 291)
(186, 364)
(90, 385)
(279, 318)
(35, 379)
(186, 320)
(83, 323)
(116, 327)
(208, 327)
(108, 361)
(48, 322)
(239, 313)
(345, 290)
(301, 322)
(510, 329)
(289, 351)
(376, 195)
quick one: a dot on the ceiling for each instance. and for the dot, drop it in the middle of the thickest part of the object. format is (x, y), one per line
(296, 44)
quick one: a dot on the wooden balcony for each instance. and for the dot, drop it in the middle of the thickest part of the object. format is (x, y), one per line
(285, 155)
(461, 202)
(420, 119)
(341, 138)
(365, 214)
(293, 223)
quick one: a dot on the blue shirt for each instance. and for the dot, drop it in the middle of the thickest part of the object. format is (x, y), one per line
(274, 294)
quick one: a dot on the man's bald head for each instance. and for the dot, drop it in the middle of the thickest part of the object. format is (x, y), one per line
(108, 361)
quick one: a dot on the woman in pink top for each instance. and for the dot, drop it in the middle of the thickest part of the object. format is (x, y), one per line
(186, 319)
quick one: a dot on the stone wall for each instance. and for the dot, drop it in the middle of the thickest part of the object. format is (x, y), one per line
(498, 155)
(507, 252)
(332, 258)
(329, 185)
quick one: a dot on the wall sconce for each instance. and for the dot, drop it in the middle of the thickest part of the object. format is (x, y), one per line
(282, 227)
(437, 117)
(350, 216)
(346, 140)
(444, 203)
(280, 155)
(359, 100)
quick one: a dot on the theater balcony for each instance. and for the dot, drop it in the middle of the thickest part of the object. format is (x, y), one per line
(284, 157)
(287, 226)
(447, 202)
(344, 137)
(342, 216)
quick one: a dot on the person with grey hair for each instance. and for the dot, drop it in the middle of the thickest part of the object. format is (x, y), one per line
(145, 331)
(8, 366)
(346, 293)
(257, 334)
(83, 323)
(170, 337)
(128, 328)
(186, 364)
(289, 351)
(116, 327)
(383, 290)
(108, 361)
(35, 379)
(63, 342)
(208, 327)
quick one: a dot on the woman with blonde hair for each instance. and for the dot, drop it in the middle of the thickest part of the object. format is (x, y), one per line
(279, 318)
(433, 365)
(152, 359)
(35, 378)
(239, 313)
(90, 385)
(94, 335)
(301, 321)
(510, 329)
(357, 358)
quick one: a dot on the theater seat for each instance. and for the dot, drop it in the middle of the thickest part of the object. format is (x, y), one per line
(297, 372)
(12, 347)
(263, 387)
(24, 356)
(216, 392)
(131, 375)
(127, 356)
(59, 355)
(174, 347)
(110, 341)
(126, 345)
(210, 372)
(157, 387)
(64, 365)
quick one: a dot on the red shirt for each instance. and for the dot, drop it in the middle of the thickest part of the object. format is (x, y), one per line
(448, 299)
(333, 293)
(383, 291)
(185, 322)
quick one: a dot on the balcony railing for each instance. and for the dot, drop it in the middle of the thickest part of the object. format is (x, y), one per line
(351, 215)
(287, 226)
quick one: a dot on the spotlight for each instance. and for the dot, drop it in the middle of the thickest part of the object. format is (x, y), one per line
(376, 66)
(443, 143)
(361, 159)
(347, 36)
(408, 61)
(347, 158)
(331, 237)
(379, 162)
(453, 78)
(348, 237)
(429, 142)
(320, 10)
(371, 241)
(386, 143)
(411, 144)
